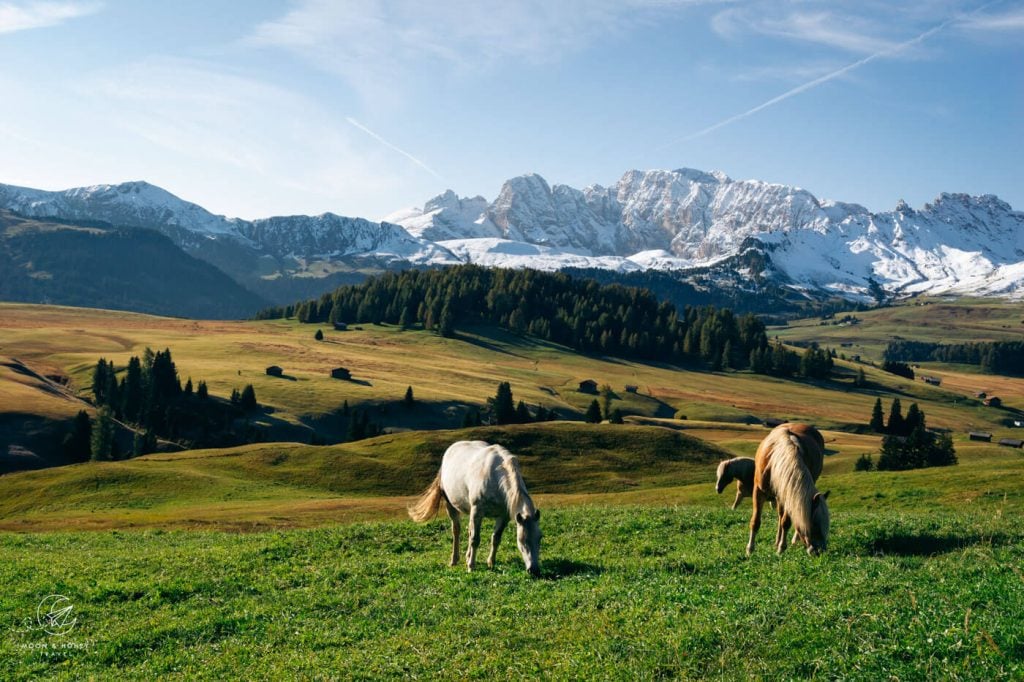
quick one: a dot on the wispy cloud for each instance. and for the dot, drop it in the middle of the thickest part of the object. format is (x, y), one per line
(22, 16)
(393, 147)
(375, 44)
(1012, 20)
(821, 80)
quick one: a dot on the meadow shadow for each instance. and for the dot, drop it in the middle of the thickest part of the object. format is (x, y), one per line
(926, 544)
(556, 569)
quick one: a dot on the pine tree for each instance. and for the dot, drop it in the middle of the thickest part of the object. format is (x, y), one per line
(78, 443)
(188, 387)
(877, 422)
(914, 419)
(319, 336)
(616, 417)
(895, 423)
(523, 413)
(409, 401)
(503, 405)
(247, 399)
(593, 415)
(201, 391)
(607, 395)
(405, 321)
(446, 326)
(861, 379)
(103, 447)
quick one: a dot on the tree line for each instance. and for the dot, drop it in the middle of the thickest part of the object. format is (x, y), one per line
(578, 313)
(994, 357)
(148, 395)
(908, 444)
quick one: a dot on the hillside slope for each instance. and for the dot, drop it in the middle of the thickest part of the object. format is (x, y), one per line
(46, 261)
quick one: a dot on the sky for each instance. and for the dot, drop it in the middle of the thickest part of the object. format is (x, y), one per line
(364, 107)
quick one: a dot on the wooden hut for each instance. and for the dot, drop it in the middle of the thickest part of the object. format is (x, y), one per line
(340, 327)
(934, 381)
(274, 371)
(993, 401)
(340, 373)
(588, 386)
(1011, 442)
(980, 435)
(632, 388)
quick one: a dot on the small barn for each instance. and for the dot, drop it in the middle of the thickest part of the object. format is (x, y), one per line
(340, 327)
(631, 388)
(934, 381)
(588, 386)
(274, 371)
(993, 401)
(772, 422)
(340, 373)
(981, 395)
(980, 435)
(1011, 442)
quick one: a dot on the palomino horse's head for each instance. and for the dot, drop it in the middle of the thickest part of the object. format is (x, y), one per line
(528, 538)
(818, 542)
(724, 475)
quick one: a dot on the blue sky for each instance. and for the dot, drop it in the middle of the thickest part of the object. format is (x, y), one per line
(362, 107)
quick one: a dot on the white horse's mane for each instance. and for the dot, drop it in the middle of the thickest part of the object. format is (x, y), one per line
(512, 484)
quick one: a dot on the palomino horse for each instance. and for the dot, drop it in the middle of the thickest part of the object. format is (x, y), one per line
(786, 465)
(483, 480)
(740, 469)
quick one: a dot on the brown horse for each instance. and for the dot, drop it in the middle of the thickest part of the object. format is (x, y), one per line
(786, 466)
(741, 470)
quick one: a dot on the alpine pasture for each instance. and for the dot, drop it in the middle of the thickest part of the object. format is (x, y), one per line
(286, 560)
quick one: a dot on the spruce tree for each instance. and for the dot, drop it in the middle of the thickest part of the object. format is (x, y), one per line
(523, 413)
(409, 401)
(103, 446)
(593, 415)
(201, 391)
(895, 424)
(616, 417)
(247, 399)
(319, 336)
(502, 404)
(78, 443)
(877, 422)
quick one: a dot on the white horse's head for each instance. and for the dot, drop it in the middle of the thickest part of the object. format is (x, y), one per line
(528, 538)
(725, 475)
(818, 542)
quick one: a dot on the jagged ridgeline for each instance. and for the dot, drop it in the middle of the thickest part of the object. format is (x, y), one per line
(579, 313)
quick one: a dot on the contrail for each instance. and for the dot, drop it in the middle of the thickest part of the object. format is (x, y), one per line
(820, 80)
(392, 147)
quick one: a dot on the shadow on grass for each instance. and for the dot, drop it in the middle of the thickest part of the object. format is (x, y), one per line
(927, 544)
(556, 569)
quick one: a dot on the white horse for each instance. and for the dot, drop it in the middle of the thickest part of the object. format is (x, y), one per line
(483, 480)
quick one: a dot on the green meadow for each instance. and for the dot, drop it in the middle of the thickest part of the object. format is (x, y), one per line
(286, 560)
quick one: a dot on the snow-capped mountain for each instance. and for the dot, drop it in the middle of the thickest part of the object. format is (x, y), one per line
(689, 219)
(706, 227)
(306, 238)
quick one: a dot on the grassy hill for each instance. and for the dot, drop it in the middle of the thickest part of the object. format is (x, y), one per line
(453, 376)
(643, 571)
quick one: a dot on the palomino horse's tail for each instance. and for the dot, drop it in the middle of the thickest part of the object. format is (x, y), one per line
(430, 501)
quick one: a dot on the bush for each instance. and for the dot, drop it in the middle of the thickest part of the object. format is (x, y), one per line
(319, 336)
(864, 463)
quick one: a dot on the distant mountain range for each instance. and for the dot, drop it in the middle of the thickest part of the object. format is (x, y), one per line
(704, 229)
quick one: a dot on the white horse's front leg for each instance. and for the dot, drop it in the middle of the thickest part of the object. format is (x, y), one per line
(475, 517)
(499, 528)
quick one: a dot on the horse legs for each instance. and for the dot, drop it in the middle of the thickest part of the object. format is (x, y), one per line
(755, 518)
(780, 535)
(453, 514)
(739, 496)
(499, 528)
(475, 517)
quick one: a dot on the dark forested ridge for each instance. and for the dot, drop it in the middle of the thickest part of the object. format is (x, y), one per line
(95, 265)
(995, 357)
(579, 313)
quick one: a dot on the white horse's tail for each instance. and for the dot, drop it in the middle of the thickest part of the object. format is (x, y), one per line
(430, 501)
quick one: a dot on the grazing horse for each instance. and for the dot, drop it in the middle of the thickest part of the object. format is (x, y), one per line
(787, 464)
(483, 480)
(740, 469)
